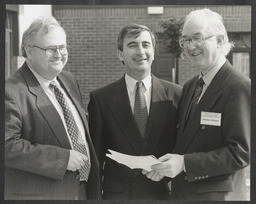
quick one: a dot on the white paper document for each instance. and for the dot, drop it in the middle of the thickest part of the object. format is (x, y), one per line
(134, 162)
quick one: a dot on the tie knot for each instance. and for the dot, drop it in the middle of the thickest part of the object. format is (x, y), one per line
(139, 84)
(53, 85)
(200, 82)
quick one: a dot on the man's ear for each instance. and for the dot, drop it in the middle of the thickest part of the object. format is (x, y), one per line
(220, 40)
(28, 51)
(120, 55)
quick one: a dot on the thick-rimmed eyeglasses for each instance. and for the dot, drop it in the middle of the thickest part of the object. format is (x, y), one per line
(50, 51)
(197, 41)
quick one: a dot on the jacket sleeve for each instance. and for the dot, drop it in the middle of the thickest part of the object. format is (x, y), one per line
(96, 130)
(20, 153)
(235, 130)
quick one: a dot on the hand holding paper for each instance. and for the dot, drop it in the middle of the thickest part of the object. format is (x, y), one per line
(134, 162)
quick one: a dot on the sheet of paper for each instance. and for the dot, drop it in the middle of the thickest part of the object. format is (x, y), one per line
(134, 162)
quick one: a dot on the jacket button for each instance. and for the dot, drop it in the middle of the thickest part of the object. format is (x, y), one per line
(202, 177)
(195, 178)
(76, 197)
(199, 177)
(78, 177)
(203, 127)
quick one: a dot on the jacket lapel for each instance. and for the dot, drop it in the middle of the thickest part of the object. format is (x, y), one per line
(184, 109)
(46, 107)
(159, 111)
(210, 97)
(121, 110)
(77, 102)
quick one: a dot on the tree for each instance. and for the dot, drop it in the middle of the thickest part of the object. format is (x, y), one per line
(172, 29)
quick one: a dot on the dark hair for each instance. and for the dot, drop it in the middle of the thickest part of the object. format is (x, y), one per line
(133, 30)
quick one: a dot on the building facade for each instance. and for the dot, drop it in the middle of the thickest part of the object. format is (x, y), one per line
(92, 34)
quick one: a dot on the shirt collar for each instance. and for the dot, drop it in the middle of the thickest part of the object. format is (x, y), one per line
(131, 82)
(208, 77)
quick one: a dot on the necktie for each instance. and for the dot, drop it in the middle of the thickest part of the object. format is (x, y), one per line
(197, 94)
(73, 131)
(140, 109)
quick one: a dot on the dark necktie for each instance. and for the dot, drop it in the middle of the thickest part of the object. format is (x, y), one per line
(74, 133)
(140, 109)
(197, 94)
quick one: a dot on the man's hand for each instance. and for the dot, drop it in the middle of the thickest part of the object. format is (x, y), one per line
(171, 166)
(153, 175)
(76, 160)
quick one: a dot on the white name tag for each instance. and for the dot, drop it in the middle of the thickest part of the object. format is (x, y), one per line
(210, 118)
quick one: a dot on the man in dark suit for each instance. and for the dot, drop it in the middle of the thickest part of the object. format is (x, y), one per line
(213, 142)
(116, 122)
(48, 151)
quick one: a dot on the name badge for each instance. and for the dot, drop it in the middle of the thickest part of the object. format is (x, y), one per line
(210, 118)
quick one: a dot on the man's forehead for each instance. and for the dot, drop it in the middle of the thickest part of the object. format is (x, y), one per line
(194, 26)
(53, 36)
(143, 36)
(50, 30)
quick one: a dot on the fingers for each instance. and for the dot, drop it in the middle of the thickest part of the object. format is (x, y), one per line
(165, 157)
(172, 165)
(154, 176)
(158, 166)
(144, 172)
(76, 160)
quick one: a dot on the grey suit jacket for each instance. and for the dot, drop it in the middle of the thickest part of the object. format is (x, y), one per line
(36, 144)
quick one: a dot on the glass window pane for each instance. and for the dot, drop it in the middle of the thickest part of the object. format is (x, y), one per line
(241, 62)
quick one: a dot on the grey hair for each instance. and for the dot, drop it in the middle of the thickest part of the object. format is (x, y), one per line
(215, 25)
(44, 24)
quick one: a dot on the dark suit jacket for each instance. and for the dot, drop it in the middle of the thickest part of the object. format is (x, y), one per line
(112, 126)
(215, 156)
(36, 143)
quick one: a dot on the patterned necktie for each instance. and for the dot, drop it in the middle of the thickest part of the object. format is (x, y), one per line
(140, 109)
(73, 130)
(197, 94)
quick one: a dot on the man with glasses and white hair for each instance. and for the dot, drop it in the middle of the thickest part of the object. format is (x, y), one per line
(48, 151)
(213, 141)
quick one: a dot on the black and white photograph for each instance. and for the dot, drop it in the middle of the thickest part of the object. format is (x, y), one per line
(127, 101)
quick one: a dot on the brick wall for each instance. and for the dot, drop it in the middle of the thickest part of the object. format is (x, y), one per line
(92, 32)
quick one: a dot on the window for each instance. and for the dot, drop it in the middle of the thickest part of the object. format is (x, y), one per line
(11, 40)
(164, 65)
(241, 62)
(240, 55)
(8, 44)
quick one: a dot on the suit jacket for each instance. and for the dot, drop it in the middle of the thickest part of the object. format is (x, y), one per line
(36, 143)
(113, 126)
(215, 156)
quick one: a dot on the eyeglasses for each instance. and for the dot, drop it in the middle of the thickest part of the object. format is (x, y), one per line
(197, 41)
(50, 51)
